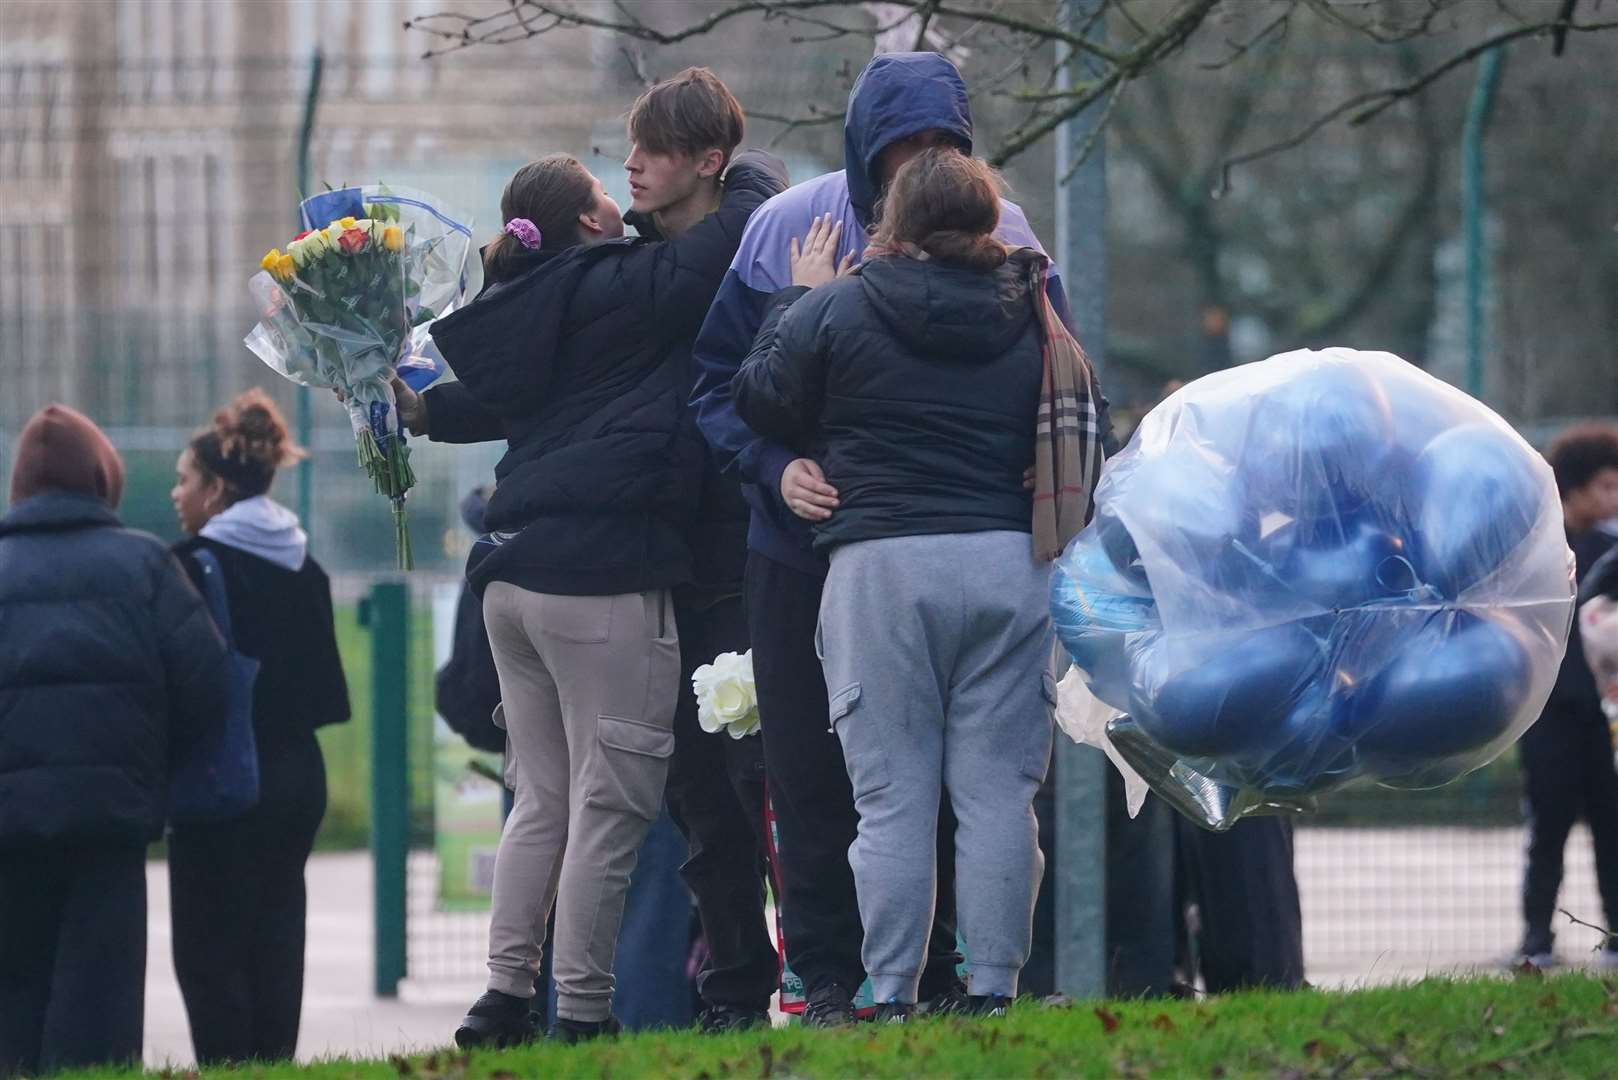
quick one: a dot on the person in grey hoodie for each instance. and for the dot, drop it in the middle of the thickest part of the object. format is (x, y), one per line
(238, 900)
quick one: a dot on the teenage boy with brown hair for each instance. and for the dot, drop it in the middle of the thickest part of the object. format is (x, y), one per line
(683, 131)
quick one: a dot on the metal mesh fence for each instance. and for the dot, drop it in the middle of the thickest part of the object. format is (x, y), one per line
(140, 181)
(444, 947)
(1397, 901)
(1394, 885)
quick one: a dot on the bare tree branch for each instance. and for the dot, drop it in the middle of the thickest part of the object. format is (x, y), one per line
(1607, 936)
(1027, 31)
(1333, 13)
(924, 16)
(1240, 49)
(817, 116)
(1129, 17)
(1559, 35)
(461, 34)
(637, 65)
(1372, 103)
(1096, 132)
(1164, 41)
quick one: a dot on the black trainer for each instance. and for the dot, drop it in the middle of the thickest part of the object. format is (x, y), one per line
(952, 1002)
(497, 1020)
(894, 1012)
(577, 1031)
(987, 1005)
(719, 1019)
(828, 1006)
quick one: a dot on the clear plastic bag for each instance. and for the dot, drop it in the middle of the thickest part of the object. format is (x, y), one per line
(1323, 566)
(349, 304)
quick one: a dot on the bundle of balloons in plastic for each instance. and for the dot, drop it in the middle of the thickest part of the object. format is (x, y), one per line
(1324, 566)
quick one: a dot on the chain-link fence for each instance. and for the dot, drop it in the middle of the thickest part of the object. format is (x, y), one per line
(1394, 884)
(139, 183)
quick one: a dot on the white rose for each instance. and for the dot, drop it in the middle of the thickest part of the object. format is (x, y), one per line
(725, 694)
(731, 700)
(703, 681)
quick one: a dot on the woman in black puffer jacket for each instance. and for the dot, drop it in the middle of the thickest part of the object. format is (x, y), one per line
(110, 669)
(914, 384)
(577, 353)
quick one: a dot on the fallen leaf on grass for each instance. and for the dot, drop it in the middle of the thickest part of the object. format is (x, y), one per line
(1163, 1022)
(1549, 1001)
(1109, 1020)
(1315, 1049)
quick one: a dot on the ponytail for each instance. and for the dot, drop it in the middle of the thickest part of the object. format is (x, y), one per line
(551, 192)
(946, 204)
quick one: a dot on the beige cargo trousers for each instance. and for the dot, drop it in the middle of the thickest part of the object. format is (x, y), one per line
(588, 687)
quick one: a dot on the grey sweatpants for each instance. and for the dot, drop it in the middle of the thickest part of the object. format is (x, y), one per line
(935, 650)
(588, 687)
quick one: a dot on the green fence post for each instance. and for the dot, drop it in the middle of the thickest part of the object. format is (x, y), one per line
(387, 614)
(1081, 771)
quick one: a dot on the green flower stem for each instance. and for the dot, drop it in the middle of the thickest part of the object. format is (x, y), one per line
(388, 466)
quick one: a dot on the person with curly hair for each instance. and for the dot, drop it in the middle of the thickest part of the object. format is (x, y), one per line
(238, 900)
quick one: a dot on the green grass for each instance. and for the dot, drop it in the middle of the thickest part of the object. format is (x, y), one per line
(1530, 1026)
(347, 747)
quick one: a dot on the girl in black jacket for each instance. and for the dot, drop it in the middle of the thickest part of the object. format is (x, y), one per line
(914, 385)
(577, 352)
(238, 900)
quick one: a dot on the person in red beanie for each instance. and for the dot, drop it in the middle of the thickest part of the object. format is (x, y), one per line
(110, 668)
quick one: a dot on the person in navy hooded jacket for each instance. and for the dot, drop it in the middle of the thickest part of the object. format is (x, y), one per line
(901, 104)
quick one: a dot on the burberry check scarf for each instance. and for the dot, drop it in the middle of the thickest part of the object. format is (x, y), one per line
(1067, 432)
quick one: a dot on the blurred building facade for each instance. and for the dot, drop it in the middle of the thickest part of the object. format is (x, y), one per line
(149, 155)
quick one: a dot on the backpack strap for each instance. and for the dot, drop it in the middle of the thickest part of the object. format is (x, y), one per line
(213, 591)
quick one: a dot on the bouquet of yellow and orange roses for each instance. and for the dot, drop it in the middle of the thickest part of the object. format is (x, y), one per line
(346, 307)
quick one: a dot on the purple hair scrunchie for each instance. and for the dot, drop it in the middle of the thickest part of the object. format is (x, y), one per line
(526, 232)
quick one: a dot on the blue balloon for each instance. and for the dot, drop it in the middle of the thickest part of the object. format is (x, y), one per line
(1307, 754)
(1315, 446)
(1479, 499)
(1217, 695)
(1344, 567)
(1094, 605)
(1119, 546)
(1455, 686)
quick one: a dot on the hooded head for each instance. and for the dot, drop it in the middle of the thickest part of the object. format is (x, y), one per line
(899, 95)
(473, 507)
(61, 449)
